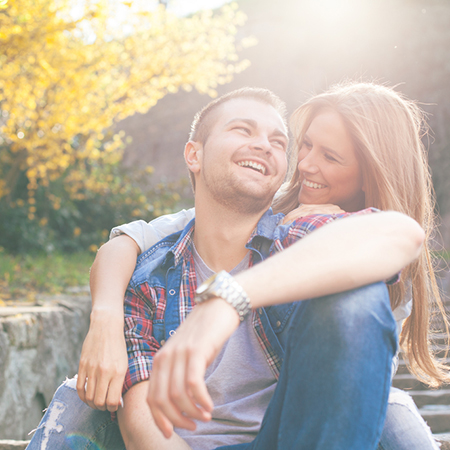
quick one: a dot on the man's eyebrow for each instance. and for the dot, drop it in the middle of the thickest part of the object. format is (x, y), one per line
(278, 132)
(254, 124)
(251, 122)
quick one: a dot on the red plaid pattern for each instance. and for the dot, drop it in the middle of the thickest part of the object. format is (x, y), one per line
(146, 305)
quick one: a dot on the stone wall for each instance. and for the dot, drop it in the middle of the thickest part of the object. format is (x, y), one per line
(39, 347)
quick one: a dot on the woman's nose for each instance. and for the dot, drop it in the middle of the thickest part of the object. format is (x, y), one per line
(308, 164)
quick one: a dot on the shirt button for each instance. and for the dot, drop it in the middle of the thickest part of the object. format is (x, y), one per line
(278, 323)
(163, 342)
(172, 292)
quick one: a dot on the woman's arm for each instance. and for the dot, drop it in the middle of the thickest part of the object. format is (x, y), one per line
(103, 358)
(103, 361)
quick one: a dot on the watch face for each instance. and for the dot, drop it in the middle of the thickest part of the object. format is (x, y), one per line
(205, 286)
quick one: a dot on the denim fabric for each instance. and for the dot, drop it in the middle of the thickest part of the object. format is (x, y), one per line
(334, 382)
(70, 424)
(404, 427)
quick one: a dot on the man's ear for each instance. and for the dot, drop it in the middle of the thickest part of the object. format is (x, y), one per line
(193, 155)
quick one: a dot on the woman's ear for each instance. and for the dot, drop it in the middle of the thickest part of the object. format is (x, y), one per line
(192, 155)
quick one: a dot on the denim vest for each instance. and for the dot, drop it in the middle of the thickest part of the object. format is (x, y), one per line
(161, 267)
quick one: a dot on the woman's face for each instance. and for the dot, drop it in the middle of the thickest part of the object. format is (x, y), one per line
(328, 168)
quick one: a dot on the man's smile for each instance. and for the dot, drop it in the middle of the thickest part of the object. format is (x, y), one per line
(253, 165)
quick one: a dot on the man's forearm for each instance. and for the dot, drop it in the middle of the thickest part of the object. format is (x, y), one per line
(343, 255)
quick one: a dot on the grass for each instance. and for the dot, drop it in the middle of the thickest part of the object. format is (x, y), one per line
(22, 277)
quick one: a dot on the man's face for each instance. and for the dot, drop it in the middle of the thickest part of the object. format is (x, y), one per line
(244, 157)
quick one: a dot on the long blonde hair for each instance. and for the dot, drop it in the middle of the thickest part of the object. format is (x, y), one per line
(387, 130)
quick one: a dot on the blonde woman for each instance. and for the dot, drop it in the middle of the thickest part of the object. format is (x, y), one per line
(386, 131)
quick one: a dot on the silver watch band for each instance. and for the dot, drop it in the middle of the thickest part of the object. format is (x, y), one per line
(225, 286)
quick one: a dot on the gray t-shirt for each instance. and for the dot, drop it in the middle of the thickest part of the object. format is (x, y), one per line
(239, 381)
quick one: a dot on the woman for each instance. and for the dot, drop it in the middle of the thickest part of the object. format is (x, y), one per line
(385, 130)
(356, 146)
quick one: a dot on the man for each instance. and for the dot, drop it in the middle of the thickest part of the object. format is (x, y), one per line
(325, 397)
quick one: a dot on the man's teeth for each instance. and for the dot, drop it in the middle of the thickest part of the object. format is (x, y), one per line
(313, 185)
(253, 165)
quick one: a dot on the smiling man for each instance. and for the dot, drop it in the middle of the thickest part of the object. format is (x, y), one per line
(246, 369)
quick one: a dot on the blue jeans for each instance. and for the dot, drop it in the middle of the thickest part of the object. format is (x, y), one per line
(332, 392)
(70, 424)
(404, 428)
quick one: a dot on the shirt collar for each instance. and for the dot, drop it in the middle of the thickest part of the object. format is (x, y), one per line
(264, 229)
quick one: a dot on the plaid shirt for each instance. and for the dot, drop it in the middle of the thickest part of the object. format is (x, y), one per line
(161, 292)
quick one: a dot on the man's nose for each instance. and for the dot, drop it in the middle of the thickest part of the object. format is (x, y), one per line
(262, 143)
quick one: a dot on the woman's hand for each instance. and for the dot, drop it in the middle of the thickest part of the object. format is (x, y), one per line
(103, 362)
(308, 210)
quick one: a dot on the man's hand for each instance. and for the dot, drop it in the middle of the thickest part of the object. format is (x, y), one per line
(103, 362)
(308, 210)
(177, 392)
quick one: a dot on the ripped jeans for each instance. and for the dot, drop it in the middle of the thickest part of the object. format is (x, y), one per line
(69, 424)
(323, 335)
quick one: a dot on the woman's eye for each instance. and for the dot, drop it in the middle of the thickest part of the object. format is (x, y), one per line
(330, 158)
(307, 144)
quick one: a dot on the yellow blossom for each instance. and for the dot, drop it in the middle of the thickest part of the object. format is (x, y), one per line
(65, 82)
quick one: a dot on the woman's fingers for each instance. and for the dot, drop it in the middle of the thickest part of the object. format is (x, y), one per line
(81, 382)
(307, 210)
(114, 396)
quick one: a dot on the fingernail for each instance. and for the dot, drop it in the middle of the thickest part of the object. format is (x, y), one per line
(121, 402)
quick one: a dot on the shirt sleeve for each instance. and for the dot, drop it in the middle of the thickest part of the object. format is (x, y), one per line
(147, 234)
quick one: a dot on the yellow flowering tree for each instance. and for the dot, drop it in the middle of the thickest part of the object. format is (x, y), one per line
(69, 72)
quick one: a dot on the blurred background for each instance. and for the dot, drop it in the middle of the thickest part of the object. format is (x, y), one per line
(97, 97)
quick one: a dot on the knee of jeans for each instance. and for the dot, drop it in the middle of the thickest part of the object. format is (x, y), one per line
(357, 311)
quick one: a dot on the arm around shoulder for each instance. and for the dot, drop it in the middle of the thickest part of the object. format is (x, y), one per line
(345, 254)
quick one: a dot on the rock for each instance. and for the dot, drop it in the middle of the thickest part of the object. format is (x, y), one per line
(13, 445)
(39, 347)
(444, 440)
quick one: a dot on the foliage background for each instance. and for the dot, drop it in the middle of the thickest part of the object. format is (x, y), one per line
(69, 72)
(94, 113)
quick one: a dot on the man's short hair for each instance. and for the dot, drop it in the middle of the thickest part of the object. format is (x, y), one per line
(204, 120)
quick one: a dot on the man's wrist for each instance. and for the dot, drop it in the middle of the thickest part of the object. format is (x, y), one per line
(223, 285)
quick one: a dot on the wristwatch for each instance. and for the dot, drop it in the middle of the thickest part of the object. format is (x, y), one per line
(223, 285)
